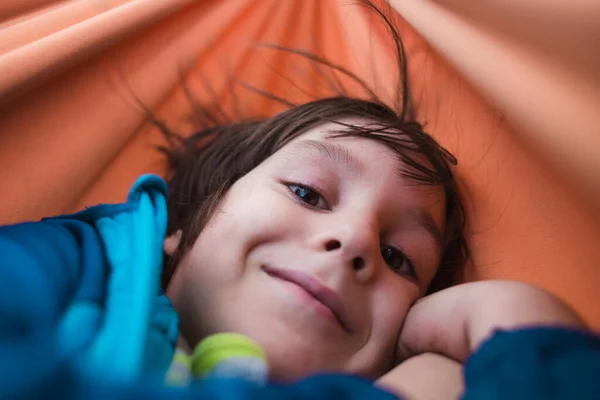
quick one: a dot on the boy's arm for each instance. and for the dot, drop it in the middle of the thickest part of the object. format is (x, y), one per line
(456, 321)
(427, 376)
(516, 341)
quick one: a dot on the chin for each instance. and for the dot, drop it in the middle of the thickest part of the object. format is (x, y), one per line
(291, 362)
(290, 370)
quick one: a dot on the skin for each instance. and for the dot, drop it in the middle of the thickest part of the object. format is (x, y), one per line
(341, 234)
(428, 376)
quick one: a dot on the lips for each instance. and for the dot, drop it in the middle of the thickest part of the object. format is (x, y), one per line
(319, 292)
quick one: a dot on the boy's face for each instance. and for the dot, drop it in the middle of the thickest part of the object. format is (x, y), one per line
(317, 254)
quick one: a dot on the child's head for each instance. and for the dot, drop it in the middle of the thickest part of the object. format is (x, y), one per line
(342, 196)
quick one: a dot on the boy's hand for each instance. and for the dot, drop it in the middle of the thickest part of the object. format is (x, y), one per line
(454, 322)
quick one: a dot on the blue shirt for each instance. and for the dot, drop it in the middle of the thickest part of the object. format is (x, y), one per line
(82, 316)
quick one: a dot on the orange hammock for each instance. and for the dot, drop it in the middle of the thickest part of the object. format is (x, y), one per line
(512, 87)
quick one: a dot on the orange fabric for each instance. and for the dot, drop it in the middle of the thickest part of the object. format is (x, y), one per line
(510, 86)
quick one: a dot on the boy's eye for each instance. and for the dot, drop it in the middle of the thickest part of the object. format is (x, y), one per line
(398, 261)
(308, 195)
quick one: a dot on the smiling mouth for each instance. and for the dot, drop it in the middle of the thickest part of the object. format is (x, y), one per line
(316, 290)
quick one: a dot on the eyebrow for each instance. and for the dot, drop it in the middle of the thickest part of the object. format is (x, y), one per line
(333, 151)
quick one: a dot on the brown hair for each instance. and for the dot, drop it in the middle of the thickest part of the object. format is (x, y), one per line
(205, 165)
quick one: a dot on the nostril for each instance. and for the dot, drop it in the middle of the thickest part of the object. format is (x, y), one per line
(332, 245)
(358, 263)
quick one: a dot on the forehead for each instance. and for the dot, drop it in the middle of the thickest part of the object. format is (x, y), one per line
(352, 151)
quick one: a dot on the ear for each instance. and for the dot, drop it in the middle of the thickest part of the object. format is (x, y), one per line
(172, 242)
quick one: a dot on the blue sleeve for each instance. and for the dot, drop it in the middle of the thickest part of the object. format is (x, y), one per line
(535, 363)
(41, 273)
(41, 269)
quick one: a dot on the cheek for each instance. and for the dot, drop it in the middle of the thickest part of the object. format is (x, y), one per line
(390, 302)
(249, 215)
(212, 274)
(253, 212)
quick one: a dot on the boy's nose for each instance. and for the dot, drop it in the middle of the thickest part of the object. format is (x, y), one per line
(358, 262)
(357, 246)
